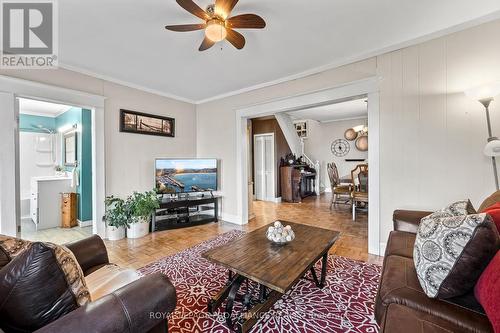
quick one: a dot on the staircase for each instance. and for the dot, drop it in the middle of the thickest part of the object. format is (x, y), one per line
(296, 145)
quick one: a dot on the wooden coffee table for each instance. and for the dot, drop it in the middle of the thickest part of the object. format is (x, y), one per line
(276, 268)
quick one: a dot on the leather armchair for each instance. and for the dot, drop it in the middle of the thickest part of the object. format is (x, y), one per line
(141, 306)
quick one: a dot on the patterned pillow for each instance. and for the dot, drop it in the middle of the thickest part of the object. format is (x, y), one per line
(463, 207)
(451, 252)
(10, 247)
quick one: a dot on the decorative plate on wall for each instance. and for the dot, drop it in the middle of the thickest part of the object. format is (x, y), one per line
(362, 143)
(340, 147)
(350, 134)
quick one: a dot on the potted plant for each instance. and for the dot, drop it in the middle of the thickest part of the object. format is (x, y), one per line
(116, 217)
(141, 207)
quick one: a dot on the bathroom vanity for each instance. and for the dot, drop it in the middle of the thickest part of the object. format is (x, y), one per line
(45, 201)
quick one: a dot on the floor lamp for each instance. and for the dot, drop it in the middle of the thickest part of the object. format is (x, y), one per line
(485, 94)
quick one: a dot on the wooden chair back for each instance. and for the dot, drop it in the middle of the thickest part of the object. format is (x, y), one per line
(333, 174)
(359, 176)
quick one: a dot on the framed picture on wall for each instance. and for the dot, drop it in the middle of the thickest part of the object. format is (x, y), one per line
(301, 128)
(143, 123)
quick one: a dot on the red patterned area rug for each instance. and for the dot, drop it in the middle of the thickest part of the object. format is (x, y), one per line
(345, 304)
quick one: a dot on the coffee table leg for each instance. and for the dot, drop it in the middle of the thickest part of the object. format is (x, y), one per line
(230, 299)
(251, 317)
(324, 263)
(221, 296)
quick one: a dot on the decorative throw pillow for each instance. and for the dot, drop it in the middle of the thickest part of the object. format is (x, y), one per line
(451, 252)
(463, 207)
(40, 285)
(487, 292)
(10, 247)
(494, 212)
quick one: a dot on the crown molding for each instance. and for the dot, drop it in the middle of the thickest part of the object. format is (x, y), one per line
(124, 83)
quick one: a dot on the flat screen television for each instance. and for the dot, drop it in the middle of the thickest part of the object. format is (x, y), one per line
(185, 175)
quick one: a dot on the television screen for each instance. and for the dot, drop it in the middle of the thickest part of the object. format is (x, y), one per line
(185, 175)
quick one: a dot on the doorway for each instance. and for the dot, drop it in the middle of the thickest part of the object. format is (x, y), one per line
(264, 156)
(14, 88)
(55, 171)
(368, 88)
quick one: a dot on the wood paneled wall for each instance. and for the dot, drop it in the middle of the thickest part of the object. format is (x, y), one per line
(432, 136)
(281, 148)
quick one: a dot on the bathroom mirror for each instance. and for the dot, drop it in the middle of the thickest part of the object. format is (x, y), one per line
(70, 149)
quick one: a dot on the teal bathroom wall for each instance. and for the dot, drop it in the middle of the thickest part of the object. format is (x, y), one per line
(27, 123)
(83, 119)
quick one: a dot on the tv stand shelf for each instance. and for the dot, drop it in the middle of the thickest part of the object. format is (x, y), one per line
(177, 213)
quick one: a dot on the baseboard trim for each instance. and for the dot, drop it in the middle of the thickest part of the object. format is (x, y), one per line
(83, 224)
(234, 219)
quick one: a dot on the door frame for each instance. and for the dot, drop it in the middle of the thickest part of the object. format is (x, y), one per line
(273, 196)
(368, 87)
(13, 88)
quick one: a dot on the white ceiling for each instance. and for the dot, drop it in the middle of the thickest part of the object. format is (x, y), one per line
(125, 40)
(40, 108)
(333, 112)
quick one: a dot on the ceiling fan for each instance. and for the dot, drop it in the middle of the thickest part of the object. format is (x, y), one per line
(218, 25)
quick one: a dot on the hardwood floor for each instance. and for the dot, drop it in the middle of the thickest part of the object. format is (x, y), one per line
(353, 242)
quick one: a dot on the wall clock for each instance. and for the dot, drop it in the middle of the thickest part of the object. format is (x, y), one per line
(340, 147)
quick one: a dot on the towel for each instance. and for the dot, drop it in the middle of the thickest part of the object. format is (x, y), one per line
(75, 178)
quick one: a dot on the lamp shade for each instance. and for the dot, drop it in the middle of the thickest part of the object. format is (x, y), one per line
(484, 91)
(492, 148)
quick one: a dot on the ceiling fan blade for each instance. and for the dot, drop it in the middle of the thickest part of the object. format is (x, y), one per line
(193, 8)
(224, 7)
(186, 27)
(246, 21)
(206, 44)
(235, 38)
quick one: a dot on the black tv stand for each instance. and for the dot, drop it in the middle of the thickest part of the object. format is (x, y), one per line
(187, 211)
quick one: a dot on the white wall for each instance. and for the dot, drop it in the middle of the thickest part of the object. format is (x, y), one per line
(431, 136)
(129, 157)
(318, 146)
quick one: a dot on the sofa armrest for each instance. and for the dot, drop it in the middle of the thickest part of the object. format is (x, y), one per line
(408, 220)
(140, 306)
(89, 252)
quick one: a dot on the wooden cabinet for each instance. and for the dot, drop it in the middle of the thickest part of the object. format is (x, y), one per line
(69, 210)
(290, 184)
(296, 185)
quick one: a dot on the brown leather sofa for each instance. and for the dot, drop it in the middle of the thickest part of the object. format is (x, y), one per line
(128, 309)
(401, 304)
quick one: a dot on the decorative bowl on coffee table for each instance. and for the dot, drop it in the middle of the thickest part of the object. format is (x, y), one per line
(279, 234)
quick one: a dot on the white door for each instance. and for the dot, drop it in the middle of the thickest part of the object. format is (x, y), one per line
(264, 167)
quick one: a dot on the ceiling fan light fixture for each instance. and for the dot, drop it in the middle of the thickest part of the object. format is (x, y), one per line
(216, 30)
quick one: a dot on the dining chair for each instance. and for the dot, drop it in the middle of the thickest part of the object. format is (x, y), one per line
(338, 190)
(359, 194)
